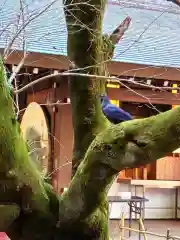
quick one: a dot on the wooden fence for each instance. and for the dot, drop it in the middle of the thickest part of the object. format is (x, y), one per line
(143, 231)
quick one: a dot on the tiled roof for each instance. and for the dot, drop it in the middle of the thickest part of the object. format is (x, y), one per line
(152, 39)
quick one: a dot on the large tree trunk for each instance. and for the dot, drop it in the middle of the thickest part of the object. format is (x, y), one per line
(85, 51)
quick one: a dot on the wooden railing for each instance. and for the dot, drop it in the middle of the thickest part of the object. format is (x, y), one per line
(143, 231)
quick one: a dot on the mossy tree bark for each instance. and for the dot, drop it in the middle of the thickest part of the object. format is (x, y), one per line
(24, 196)
(89, 51)
(84, 50)
(31, 209)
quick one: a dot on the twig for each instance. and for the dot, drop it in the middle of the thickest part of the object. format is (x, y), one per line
(17, 69)
(122, 230)
(142, 228)
(24, 26)
(93, 76)
(24, 31)
(149, 233)
(57, 169)
(58, 103)
(17, 99)
(148, 100)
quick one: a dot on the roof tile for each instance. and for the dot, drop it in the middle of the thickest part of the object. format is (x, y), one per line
(152, 39)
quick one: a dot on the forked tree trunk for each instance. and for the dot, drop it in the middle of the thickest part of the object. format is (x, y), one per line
(29, 207)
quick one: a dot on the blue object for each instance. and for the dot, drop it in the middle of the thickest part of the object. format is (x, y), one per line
(113, 113)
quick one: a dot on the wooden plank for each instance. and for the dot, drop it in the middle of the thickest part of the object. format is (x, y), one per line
(144, 96)
(151, 183)
(135, 173)
(122, 229)
(145, 173)
(143, 229)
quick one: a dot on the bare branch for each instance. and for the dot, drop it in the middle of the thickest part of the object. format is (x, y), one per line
(22, 27)
(120, 30)
(18, 68)
(16, 99)
(126, 145)
(113, 78)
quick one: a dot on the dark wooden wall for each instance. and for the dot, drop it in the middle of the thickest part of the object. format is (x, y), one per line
(61, 132)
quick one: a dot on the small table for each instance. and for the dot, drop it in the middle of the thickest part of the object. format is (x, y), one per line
(133, 207)
(145, 184)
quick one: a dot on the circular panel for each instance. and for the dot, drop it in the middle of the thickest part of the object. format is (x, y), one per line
(35, 132)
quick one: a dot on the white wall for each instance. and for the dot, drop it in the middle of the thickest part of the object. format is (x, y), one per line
(161, 204)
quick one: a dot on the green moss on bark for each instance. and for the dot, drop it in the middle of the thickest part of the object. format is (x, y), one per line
(85, 51)
(92, 227)
(101, 150)
(126, 145)
(14, 160)
(8, 214)
(21, 188)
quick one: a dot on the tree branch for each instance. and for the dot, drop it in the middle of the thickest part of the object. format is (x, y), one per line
(119, 32)
(18, 176)
(23, 26)
(17, 69)
(104, 78)
(127, 145)
(22, 190)
(87, 47)
(84, 49)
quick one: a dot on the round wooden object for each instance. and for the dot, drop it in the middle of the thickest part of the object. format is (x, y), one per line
(35, 131)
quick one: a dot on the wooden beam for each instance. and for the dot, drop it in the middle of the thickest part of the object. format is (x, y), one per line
(121, 69)
(151, 183)
(144, 71)
(137, 95)
(40, 60)
(144, 96)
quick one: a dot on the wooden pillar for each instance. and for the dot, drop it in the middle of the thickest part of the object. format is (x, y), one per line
(64, 136)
